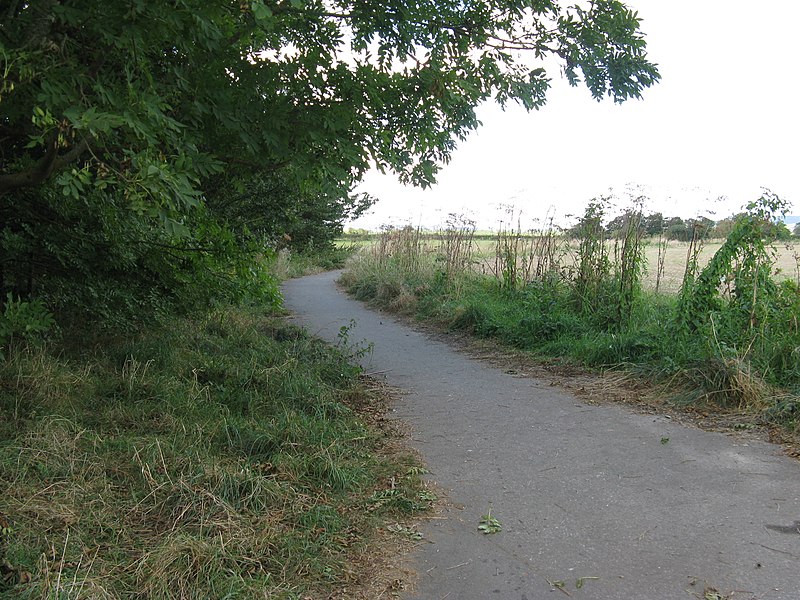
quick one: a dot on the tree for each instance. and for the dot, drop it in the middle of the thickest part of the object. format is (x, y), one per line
(676, 229)
(154, 97)
(653, 224)
(780, 231)
(796, 230)
(279, 212)
(683, 231)
(724, 227)
(158, 108)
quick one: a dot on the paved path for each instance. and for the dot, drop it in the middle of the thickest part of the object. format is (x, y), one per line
(581, 491)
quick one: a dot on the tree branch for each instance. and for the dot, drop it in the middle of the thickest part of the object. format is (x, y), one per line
(41, 22)
(46, 166)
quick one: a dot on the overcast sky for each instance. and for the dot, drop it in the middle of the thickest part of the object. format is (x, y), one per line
(723, 122)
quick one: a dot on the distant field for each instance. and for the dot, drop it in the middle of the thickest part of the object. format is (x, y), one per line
(786, 264)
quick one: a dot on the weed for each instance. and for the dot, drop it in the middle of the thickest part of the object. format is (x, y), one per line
(456, 247)
(353, 351)
(521, 258)
(400, 500)
(408, 532)
(21, 320)
(507, 251)
(592, 262)
(489, 524)
(730, 336)
(661, 258)
(629, 264)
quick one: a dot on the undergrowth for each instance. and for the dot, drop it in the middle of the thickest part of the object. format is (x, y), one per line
(288, 264)
(223, 457)
(730, 338)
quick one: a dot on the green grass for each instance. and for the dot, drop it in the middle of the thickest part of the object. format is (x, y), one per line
(288, 264)
(228, 456)
(720, 364)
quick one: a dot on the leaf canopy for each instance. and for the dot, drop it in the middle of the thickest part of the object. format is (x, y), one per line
(150, 99)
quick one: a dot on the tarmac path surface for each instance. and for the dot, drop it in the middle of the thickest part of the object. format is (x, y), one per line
(595, 502)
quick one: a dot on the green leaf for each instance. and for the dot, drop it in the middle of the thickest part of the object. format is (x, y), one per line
(261, 12)
(489, 524)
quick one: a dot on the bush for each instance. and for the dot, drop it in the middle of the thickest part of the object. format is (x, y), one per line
(22, 320)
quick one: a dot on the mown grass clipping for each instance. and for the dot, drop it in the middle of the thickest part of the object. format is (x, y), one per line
(220, 458)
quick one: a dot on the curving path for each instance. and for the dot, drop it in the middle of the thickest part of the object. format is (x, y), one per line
(582, 491)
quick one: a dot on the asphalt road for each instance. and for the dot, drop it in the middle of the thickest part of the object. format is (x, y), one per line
(595, 502)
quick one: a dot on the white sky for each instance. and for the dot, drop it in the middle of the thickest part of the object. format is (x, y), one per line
(724, 121)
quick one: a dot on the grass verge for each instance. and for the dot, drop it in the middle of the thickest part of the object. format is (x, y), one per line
(714, 367)
(222, 457)
(288, 264)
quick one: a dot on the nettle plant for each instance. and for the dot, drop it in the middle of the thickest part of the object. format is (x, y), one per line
(593, 267)
(22, 320)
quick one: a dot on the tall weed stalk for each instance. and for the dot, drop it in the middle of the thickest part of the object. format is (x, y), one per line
(592, 267)
(629, 263)
(662, 245)
(507, 251)
(456, 247)
(545, 252)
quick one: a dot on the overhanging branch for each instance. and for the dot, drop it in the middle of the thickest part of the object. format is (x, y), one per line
(47, 165)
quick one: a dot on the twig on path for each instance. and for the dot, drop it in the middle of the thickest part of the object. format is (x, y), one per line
(558, 585)
(372, 373)
(776, 550)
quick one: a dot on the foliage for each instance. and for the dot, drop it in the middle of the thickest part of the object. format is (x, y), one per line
(89, 258)
(593, 265)
(283, 213)
(740, 273)
(226, 456)
(723, 228)
(160, 96)
(686, 230)
(147, 146)
(730, 337)
(22, 320)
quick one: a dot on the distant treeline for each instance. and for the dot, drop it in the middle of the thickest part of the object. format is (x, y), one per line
(653, 225)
